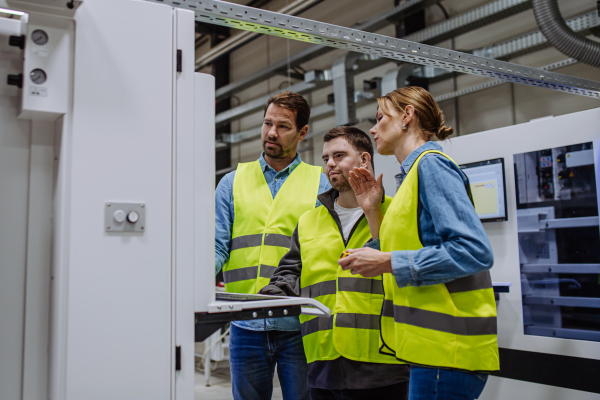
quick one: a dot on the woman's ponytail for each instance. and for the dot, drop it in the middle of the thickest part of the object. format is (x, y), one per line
(429, 115)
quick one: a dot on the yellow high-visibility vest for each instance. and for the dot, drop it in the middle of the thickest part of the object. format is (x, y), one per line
(451, 325)
(352, 331)
(263, 225)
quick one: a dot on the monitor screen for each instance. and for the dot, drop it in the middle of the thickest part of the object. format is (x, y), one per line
(488, 188)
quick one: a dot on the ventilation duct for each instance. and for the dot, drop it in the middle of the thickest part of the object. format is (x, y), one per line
(560, 36)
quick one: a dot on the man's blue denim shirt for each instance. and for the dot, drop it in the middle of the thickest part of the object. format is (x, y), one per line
(454, 241)
(225, 215)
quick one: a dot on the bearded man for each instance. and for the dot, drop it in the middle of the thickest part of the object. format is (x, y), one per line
(342, 350)
(257, 209)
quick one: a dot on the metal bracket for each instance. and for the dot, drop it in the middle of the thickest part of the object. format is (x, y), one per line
(501, 287)
(208, 323)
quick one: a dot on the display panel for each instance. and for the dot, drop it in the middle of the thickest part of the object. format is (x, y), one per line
(559, 242)
(488, 187)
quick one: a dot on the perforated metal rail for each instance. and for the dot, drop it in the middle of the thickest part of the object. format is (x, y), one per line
(290, 27)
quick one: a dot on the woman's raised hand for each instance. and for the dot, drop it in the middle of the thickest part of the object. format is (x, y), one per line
(368, 191)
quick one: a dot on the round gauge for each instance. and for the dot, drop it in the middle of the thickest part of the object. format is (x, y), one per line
(39, 37)
(37, 76)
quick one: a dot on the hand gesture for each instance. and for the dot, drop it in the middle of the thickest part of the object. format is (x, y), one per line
(368, 191)
(367, 262)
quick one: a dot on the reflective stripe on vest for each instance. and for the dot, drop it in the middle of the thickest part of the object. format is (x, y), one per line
(263, 226)
(353, 329)
(450, 325)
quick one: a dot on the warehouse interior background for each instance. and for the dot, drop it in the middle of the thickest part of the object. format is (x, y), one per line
(249, 68)
(503, 29)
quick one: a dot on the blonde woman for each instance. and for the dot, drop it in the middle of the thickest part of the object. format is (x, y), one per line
(439, 312)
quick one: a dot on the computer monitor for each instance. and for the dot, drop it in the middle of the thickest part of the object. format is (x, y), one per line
(488, 187)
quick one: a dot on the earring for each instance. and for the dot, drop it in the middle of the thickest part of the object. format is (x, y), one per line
(404, 127)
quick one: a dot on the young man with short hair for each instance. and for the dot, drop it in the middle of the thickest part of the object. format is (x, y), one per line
(342, 350)
(257, 209)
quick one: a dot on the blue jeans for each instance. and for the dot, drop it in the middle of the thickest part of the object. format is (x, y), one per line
(443, 384)
(253, 356)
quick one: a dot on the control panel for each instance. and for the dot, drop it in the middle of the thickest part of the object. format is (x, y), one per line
(47, 75)
(124, 217)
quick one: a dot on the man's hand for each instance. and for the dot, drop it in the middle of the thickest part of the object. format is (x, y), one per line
(368, 191)
(272, 290)
(367, 262)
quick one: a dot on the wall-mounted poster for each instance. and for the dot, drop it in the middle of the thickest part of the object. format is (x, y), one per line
(559, 241)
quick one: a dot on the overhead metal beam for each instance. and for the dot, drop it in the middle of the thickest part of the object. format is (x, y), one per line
(513, 47)
(311, 52)
(271, 23)
(458, 24)
(520, 45)
(244, 37)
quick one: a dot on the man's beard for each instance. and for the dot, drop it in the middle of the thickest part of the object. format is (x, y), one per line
(275, 152)
(341, 185)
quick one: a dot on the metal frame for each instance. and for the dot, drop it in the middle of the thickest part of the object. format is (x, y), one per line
(271, 23)
(309, 306)
(237, 41)
(311, 52)
(514, 47)
(456, 25)
(517, 46)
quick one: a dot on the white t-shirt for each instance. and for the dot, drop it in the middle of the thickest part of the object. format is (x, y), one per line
(348, 217)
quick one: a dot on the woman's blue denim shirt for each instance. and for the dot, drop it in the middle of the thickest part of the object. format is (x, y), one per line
(454, 241)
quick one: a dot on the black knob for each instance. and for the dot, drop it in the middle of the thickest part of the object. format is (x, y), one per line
(17, 41)
(15, 80)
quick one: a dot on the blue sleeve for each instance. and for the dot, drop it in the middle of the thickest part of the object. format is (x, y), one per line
(224, 215)
(463, 247)
(323, 187)
(373, 244)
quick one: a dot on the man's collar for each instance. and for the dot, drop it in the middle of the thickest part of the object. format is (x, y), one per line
(328, 198)
(264, 166)
(412, 157)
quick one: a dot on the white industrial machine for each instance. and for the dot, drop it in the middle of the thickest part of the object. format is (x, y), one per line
(547, 246)
(107, 206)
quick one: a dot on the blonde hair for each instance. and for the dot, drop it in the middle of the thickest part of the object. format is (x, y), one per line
(429, 115)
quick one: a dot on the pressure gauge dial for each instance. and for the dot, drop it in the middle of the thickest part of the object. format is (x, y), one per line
(39, 37)
(37, 76)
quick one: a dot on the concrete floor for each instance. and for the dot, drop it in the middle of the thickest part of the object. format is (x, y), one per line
(220, 382)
